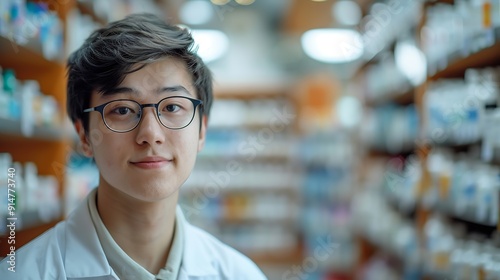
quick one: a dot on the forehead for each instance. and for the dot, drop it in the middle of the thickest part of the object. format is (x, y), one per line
(148, 81)
(164, 72)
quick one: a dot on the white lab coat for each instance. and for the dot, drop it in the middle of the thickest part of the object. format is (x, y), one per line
(71, 250)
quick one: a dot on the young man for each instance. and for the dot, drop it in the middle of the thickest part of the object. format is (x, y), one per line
(139, 98)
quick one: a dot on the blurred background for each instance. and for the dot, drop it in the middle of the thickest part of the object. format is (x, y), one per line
(349, 139)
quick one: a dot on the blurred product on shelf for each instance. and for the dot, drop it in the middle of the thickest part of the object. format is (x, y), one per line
(391, 129)
(36, 197)
(239, 174)
(8, 97)
(26, 106)
(458, 112)
(394, 18)
(445, 250)
(32, 25)
(255, 113)
(487, 83)
(459, 187)
(395, 236)
(328, 162)
(247, 144)
(455, 31)
(81, 176)
(384, 80)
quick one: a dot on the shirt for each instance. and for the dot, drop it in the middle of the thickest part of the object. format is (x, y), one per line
(124, 266)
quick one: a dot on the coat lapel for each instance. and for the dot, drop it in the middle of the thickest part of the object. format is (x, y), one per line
(84, 256)
(196, 262)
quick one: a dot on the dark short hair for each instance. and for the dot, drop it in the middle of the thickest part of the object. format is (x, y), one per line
(123, 47)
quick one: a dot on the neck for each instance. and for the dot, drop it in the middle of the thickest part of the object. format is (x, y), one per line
(144, 230)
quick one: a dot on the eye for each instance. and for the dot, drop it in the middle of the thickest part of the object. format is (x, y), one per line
(171, 108)
(122, 110)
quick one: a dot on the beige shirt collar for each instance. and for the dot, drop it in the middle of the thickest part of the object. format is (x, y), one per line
(124, 266)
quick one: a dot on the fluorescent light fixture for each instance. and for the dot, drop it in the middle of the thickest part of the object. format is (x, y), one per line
(245, 2)
(333, 45)
(196, 12)
(411, 62)
(211, 44)
(220, 2)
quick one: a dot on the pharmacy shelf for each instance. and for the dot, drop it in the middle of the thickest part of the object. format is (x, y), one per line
(46, 147)
(484, 58)
(254, 127)
(285, 257)
(12, 128)
(470, 221)
(432, 2)
(277, 91)
(246, 188)
(443, 208)
(404, 98)
(291, 221)
(261, 157)
(29, 56)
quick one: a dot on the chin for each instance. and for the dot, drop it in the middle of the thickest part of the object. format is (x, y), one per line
(155, 193)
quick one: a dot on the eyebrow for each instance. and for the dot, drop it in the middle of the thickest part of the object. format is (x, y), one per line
(134, 91)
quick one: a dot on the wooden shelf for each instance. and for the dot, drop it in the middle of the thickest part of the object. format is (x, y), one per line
(47, 147)
(402, 99)
(289, 221)
(261, 157)
(484, 58)
(12, 129)
(434, 2)
(442, 208)
(288, 257)
(247, 94)
(19, 57)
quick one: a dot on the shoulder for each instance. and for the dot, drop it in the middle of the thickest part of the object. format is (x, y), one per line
(32, 260)
(229, 263)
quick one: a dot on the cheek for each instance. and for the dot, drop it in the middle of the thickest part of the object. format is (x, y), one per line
(108, 147)
(98, 132)
(187, 144)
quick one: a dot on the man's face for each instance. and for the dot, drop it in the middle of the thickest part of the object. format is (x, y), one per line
(150, 162)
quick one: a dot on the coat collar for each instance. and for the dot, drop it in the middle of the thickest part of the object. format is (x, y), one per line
(196, 260)
(84, 256)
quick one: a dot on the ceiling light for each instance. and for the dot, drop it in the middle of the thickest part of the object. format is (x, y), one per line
(196, 12)
(411, 62)
(211, 44)
(220, 2)
(332, 45)
(245, 2)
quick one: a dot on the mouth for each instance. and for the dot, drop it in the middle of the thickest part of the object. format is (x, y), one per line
(151, 162)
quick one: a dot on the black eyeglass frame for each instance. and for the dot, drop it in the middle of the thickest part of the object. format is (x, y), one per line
(100, 109)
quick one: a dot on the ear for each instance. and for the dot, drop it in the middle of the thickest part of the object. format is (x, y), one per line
(203, 132)
(84, 140)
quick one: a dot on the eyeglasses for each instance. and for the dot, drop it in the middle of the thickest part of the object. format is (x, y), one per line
(124, 115)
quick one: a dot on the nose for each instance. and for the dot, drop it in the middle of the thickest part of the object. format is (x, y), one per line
(150, 130)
